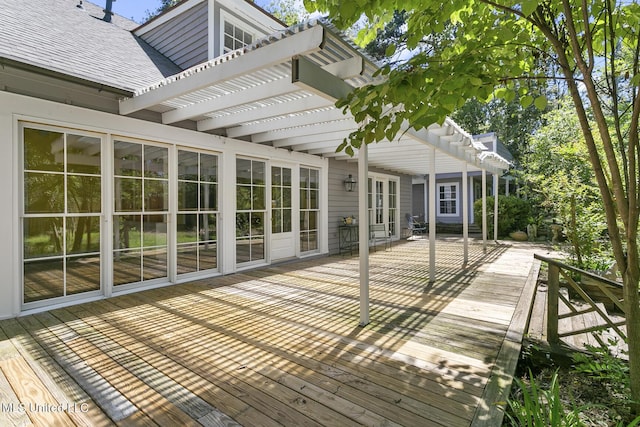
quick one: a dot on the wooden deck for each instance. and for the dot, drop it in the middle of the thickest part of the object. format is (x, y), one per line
(282, 346)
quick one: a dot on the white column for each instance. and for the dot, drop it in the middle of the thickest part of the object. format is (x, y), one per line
(495, 207)
(465, 212)
(433, 205)
(484, 210)
(363, 230)
(506, 186)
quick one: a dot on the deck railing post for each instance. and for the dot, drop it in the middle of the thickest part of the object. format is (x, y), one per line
(553, 295)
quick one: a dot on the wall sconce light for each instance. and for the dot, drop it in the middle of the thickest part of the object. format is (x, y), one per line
(350, 183)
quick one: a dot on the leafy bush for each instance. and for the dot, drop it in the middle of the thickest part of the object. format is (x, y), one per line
(513, 214)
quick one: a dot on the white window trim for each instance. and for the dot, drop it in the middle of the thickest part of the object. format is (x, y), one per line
(456, 199)
(228, 17)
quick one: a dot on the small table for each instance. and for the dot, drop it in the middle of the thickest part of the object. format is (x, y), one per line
(348, 237)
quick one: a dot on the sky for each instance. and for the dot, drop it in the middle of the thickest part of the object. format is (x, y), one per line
(137, 9)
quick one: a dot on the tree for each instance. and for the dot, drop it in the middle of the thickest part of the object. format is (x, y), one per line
(591, 46)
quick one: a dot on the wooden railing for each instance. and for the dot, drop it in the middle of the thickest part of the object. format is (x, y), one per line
(608, 290)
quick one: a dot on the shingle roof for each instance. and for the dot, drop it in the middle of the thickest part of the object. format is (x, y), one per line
(57, 35)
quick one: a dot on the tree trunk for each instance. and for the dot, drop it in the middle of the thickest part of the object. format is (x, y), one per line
(632, 308)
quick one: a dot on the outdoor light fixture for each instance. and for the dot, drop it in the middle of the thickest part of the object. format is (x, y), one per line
(350, 183)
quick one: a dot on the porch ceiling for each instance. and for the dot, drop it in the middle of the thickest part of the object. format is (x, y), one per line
(281, 91)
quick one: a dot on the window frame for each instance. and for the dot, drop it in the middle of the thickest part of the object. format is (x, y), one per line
(226, 17)
(455, 199)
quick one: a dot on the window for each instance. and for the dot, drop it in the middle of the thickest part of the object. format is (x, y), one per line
(62, 177)
(309, 208)
(234, 37)
(280, 199)
(393, 206)
(197, 220)
(141, 204)
(250, 210)
(448, 199)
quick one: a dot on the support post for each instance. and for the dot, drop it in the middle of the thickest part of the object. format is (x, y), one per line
(553, 292)
(363, 234)
(465, 212)
(432, 215)
(484, 210)
(495, 206)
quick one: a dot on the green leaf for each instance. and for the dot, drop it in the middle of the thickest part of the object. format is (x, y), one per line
(390, 50)
(525, 101)
(349, 151)
(529, 6)
(540, 102)
(635, 81)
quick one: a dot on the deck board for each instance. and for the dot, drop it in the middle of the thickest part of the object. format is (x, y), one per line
(282, 346)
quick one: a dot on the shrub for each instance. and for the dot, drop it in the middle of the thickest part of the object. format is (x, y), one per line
(513, 214)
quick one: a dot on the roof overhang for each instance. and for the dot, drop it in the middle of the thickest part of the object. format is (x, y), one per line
(281, 91)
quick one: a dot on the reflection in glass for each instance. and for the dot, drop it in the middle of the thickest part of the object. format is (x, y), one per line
(83, 154)
(43, 279)
(243, 171)
(187, 228)
(83, 234)
(154, 263)
(208, 227)
(208, 168)
(128, 194)
(126, 231)
(43, 150)
(258, 198)
(187, 258)
(155, 230)
(187, 165)
(243, 250)
(42, 237)
(127, 267)
(242, 224)
(83, 274)
(208, 256)
(187, 196)
(156, 195)
(208, 197)
(257, 224)
(127, 158)
(43, 193)
(258, 173)
(156, 161)
(84, 194)
(243, 197)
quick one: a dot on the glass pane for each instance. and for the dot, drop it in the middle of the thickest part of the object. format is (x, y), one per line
(208, 168)
(243, 250)
(242, 224)
(155, 230)
(276, 221)
(126, 229)
(128, 194)
(187, 228)
(43, 279)
(187, 258)
(246, 39)
(304, 242)
(313, 241)
(208, 227)
(243, 171)
(43, 193)
(286, 220)
(43, 150)
(243, 198)
(187, 196)
(276, 176)
(314, 177)
(154, 264)
(313, 199)
(257, 224)
(257, 249)
(313, 225)
(304, 199)
(187, 165)
(208, 197)
(83, 234)
(84, 194)
(276, 197)
(286, 197)
(83, 154)
(304, 178)
(42, 237)
(83, 274)
(208, 256)
(127, 158)
(156, 195)
(258, 173)
(258, 198)
(126, 267)
(286, 177)
(156, 161)
(304, 221)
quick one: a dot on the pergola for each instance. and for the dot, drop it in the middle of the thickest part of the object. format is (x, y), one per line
(281, 90)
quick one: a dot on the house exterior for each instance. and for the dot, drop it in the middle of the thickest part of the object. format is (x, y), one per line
(449, 189)
(199, 144)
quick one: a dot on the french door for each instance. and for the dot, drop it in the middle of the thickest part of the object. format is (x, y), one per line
(383, 202)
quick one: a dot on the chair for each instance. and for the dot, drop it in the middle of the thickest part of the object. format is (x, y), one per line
(414, 226)
(377, 233)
